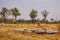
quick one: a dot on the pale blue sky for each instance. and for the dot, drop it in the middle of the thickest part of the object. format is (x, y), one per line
(25, 6)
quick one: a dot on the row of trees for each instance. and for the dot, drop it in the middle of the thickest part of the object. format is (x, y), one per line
(15, 12)
(5, 13)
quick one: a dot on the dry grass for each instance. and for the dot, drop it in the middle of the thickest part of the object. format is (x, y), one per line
(6, 32)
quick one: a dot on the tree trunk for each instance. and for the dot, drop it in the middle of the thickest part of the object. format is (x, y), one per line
(32, 20)
(4, 19)
(15, 19)
(44, 19)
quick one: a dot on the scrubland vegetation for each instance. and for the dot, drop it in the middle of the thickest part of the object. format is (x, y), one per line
(13, 29)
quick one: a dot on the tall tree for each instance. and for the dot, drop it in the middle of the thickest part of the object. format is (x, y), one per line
(3, 13)
(33, 14)
(44, 13)
(15, 12)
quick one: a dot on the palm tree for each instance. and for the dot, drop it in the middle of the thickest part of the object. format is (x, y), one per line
(44, 13)
(15, 12)
(3, 13)
(33, 14)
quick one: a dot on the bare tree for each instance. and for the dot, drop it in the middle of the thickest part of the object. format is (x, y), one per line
(44, 13)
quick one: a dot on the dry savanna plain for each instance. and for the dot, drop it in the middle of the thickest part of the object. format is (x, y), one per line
(7, 33)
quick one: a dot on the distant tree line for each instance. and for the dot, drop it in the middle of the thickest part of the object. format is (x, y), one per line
(4, 13)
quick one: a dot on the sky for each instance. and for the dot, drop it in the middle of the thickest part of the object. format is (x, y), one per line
(25, 7)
